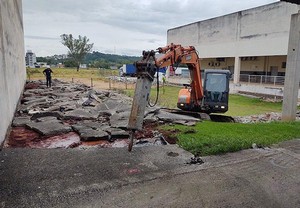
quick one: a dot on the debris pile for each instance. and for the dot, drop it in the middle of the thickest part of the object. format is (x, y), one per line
(71, 115)
(263, 118)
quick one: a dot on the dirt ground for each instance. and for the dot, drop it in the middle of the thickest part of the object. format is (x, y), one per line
(102, 85)
(97, 83)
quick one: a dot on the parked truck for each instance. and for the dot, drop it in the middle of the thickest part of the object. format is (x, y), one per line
(128, 70)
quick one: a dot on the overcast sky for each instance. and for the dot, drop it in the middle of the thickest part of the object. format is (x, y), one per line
(125, 27)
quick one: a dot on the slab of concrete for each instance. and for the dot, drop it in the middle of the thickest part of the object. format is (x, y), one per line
(21, 121)
(113, 106)
(120, 120)
(50, 127)
(154, 176)
(116, 133)
(79, 114)
(175, 118)
(89, 134)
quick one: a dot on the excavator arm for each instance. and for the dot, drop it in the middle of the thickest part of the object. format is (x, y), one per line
(176, 54)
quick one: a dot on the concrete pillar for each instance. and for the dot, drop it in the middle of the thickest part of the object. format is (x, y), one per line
(292, 76)
(237, 69)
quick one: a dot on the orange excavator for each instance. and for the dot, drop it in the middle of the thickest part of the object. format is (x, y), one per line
(210, 97)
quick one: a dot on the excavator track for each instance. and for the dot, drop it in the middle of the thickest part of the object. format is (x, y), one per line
(221, 118)
(202, 116)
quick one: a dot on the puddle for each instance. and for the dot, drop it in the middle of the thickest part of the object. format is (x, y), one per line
(23, 137)
(69, 140)
(26, 138)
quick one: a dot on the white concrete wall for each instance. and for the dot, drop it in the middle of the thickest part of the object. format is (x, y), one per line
(261, 31)
(260, 64)
(12, 61)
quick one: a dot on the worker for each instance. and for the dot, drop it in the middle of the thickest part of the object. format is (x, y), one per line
(164, 79)
(47, 72)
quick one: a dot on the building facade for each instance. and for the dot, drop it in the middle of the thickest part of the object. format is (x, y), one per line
(30, 59)
(249, 42)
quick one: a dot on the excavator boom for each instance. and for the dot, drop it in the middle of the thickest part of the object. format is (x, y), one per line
(175, 54)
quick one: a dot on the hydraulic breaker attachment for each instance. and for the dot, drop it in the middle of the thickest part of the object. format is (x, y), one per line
(145, 69)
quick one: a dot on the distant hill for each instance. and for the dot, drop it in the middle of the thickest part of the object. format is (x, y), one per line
(94, 59)
(102, 60)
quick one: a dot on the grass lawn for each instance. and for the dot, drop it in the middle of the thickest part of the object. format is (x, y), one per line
(210, 138)
(238, 105)
(243, 106)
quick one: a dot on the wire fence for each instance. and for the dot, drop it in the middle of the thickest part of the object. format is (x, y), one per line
(111, 83)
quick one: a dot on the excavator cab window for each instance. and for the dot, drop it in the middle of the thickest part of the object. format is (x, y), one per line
(216, 90)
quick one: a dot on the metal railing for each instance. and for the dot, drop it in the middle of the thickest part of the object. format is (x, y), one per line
(262, 79)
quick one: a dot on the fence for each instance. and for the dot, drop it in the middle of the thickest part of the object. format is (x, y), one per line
(112, 82)
(262, 79)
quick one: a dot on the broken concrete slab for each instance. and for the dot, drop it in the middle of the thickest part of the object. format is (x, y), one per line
(112, 106)
(120, 120)
(48, 128)
(96, 125)
(80, 114)
(27, 97)
(150, 142)
(116, 133)
(46, 114)
(87, 102)
(46, 119)
(186, 123)
(36, 100)
(31, 108)
(174, 118)
(92, 94)
(89, 134)
(21, 121)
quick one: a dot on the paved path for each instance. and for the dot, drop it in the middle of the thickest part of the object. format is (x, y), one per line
(155, 176)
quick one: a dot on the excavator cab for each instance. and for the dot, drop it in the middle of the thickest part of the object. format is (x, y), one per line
(216, 91)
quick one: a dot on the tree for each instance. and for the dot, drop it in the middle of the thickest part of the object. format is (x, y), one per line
(78, 48)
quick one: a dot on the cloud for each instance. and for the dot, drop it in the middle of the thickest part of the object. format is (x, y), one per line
(128, 25)
(40, 37)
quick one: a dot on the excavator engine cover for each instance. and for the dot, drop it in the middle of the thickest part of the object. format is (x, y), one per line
(184, 99)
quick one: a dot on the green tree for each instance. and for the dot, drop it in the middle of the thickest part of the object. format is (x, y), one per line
(78, 48)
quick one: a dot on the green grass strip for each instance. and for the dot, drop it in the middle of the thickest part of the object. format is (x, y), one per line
(211, 138)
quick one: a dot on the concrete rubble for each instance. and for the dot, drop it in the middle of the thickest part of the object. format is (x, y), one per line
(263, 118)
(72, 111)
